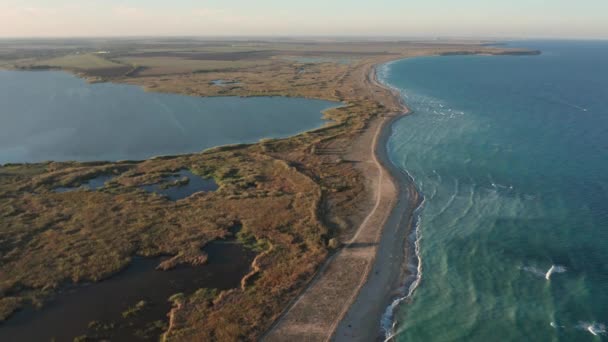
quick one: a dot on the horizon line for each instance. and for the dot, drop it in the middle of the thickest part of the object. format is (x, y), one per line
(324, 36)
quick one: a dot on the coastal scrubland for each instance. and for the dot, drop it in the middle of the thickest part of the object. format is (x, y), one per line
(296, 199)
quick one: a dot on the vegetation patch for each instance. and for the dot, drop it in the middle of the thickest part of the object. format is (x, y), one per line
(134, 310)
(82, 61)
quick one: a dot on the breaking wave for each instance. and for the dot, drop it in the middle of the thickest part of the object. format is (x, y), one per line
(545, 274)
(388, 322)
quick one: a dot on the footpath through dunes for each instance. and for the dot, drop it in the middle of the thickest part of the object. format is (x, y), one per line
(315, 315)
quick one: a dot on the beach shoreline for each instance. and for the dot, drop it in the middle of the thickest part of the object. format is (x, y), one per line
(392, 271)
(396, 270)
(373, 248)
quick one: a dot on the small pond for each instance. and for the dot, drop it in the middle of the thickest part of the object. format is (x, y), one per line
(181, 185)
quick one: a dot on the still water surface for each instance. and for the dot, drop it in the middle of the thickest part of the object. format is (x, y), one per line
(50, 115)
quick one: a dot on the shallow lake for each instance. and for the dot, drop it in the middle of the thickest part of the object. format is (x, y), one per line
(72, 312)
(51, 115)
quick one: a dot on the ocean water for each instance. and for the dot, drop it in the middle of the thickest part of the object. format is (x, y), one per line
(511, 155)
(51, 115)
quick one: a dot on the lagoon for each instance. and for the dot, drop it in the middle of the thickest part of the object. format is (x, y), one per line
(52, 115)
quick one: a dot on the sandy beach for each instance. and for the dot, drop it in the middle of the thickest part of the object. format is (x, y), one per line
(360, 280)
(389, 273)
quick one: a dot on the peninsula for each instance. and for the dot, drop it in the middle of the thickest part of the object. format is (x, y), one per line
(322, 211)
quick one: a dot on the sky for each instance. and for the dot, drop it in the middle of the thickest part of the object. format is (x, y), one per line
(401, 18)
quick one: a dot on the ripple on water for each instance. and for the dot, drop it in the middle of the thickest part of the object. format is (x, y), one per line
(531, 196)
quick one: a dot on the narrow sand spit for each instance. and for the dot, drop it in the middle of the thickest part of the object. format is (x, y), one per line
(371, 262)
(361, 321)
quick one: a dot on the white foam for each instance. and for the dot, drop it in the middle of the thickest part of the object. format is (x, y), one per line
(555, 325)
(593, 328)
(388, 323)
(554, 269)
(545, 274)
(533, 270)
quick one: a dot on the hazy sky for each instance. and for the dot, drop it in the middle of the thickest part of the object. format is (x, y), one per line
(493, 18)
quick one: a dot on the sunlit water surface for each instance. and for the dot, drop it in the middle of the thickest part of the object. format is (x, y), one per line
(511, 154)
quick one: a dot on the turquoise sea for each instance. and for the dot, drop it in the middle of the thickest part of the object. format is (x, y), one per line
(511, 155)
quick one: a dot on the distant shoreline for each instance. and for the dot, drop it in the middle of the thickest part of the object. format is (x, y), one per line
(396, 270)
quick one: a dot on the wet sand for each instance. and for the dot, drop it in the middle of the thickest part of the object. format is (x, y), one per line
(389, 274)
(350, 292)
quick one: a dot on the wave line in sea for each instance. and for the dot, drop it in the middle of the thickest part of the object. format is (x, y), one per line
(388, 323)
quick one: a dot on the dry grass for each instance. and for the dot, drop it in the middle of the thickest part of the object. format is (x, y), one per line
(175, 65)
(80, 62)
(278, 78)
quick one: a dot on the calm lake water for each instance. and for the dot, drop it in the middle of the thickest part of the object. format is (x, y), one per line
(511, 154)
(72, 312)
(50, 115)
(179, 191)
